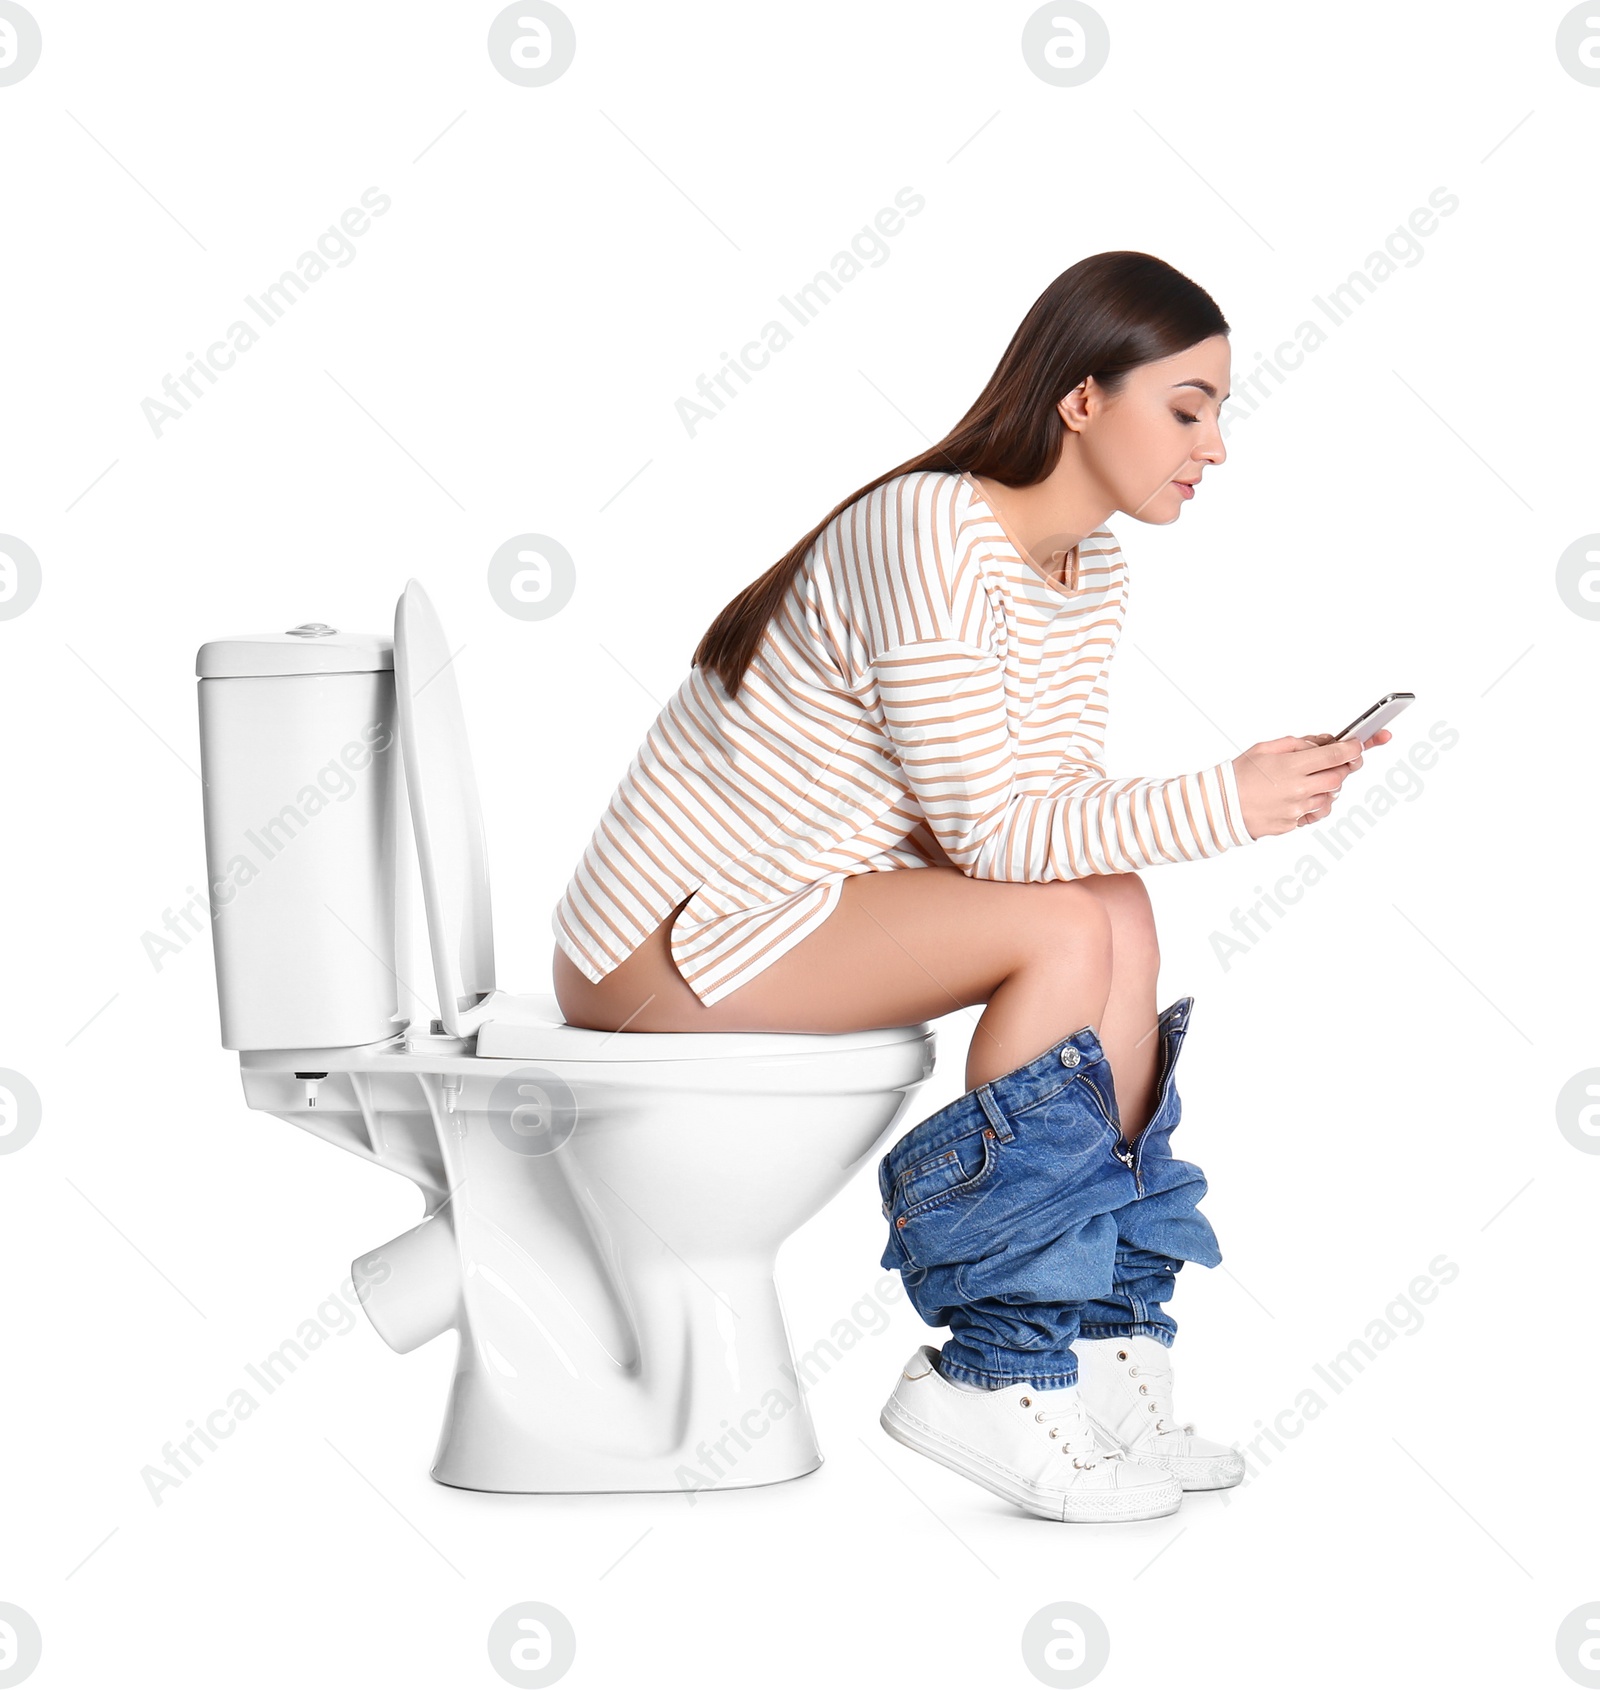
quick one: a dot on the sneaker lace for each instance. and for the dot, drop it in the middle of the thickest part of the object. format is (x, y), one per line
(1067, 1418)
(1156, 1384)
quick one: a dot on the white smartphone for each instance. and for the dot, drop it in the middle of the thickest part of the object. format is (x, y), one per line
(1376, 716)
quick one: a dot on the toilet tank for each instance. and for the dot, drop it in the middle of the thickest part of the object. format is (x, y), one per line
(298, 765)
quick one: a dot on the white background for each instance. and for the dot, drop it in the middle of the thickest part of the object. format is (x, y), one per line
(1369, 1085)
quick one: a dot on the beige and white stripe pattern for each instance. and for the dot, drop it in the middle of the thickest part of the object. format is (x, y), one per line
(921, 675)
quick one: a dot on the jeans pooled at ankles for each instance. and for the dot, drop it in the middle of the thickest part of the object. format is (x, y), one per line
(1018, 1218)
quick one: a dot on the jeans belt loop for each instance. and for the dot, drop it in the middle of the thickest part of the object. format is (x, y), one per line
(1002, 1127)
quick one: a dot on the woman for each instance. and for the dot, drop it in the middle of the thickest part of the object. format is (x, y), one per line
(878, 798)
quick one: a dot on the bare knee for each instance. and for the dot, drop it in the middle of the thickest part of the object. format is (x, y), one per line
(1126, 901)
(1069, 930)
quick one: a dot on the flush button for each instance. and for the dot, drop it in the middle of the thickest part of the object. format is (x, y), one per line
(311, 631)
(1071, 1057)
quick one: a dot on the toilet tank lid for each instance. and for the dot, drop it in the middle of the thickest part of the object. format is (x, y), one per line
(311, 649)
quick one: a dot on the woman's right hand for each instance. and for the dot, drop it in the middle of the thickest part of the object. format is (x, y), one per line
(1286, 782)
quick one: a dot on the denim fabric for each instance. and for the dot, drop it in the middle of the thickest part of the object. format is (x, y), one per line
(1019, 1219)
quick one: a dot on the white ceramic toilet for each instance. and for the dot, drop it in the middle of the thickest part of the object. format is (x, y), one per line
(602, 1211)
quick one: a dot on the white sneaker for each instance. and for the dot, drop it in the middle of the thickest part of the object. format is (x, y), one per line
(1127, 1389)
(1035, 1448)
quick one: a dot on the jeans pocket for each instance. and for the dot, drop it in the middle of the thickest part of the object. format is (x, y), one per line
(934, 1198)
(951, 1172)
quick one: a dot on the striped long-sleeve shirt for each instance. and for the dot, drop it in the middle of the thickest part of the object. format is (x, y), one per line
(920, 677)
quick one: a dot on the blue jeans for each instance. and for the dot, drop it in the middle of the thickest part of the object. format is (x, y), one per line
(1020, 1220)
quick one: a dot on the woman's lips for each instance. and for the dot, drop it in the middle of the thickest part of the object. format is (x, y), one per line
(1186, 488)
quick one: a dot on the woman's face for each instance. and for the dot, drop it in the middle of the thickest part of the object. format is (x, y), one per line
(1161, 430)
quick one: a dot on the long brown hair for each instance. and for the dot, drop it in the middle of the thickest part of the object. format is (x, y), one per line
(1105, 316)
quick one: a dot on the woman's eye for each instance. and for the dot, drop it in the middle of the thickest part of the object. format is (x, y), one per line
(1183, 416)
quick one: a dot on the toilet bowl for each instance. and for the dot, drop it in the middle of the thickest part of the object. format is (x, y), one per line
(601, 1211)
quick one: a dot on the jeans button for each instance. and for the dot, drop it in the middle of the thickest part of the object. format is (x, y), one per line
(1070, 1057)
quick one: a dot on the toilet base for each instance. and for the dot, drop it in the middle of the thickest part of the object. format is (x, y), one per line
(613, 1296)
(720, 1407)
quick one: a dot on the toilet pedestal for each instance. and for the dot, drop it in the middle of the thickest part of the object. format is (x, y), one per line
(613, 1297)
(715, 1403)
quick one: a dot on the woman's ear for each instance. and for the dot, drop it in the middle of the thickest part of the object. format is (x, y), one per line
(1074, 409)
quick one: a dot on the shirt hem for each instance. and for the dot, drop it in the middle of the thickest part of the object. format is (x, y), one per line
(695, 972)
(578, 958)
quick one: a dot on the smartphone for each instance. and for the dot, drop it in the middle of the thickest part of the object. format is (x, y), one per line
(1376, 716)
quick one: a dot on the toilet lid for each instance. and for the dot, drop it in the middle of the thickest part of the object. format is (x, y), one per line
(446, 815)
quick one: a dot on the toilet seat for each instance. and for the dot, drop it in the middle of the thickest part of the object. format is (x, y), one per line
(447, 821)
(531, 1027)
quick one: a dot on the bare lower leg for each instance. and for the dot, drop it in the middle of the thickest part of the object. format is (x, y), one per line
(1128, 1036)
(1028, 1013)
(1127, 1029)
(1025, 1013)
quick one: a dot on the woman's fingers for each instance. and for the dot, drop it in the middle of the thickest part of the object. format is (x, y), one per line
(1292, 780)
(1381, 737)
(1323, 768)
(1330, 754)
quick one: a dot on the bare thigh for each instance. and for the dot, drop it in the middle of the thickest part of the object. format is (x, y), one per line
(901, 946)
(910, 945)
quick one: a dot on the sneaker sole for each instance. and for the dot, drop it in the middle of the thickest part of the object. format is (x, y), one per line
(1148, 1502)
(1179, 1466)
